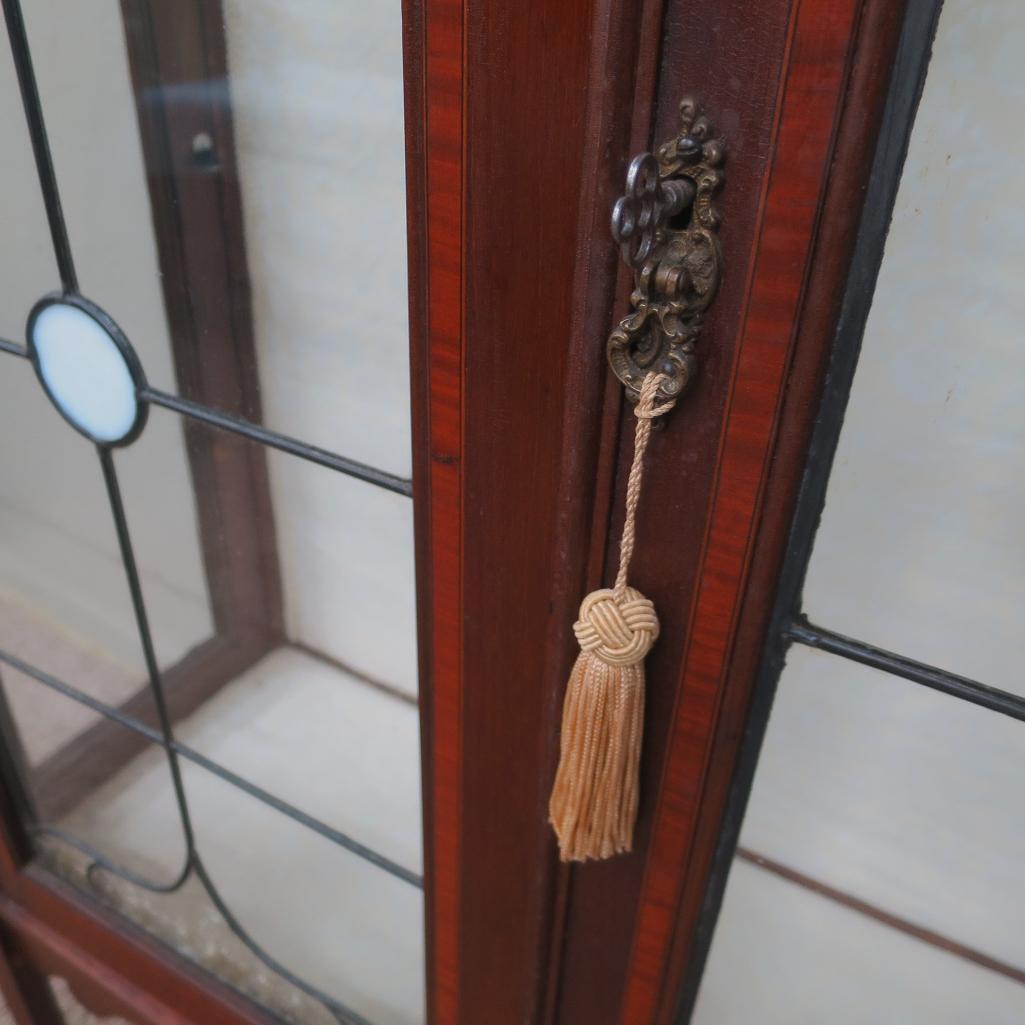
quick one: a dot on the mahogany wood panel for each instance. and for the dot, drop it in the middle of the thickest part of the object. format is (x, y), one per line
(437, 489)
(112, 969)
(729, 55)
(625, 39)
(504, 138)
(528, 67)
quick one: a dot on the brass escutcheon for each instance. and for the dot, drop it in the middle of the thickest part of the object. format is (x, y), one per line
(667, 230)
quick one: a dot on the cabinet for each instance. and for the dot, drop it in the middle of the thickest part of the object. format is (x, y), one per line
(322, 586)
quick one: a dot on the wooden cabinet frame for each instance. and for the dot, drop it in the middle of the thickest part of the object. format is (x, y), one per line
(520, 122)
(796, 89)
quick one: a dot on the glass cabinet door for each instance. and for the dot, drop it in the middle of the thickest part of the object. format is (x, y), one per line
(207, 603)
(311, 449)
(875, 873)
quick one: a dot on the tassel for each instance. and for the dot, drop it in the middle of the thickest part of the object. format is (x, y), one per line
(593, 804)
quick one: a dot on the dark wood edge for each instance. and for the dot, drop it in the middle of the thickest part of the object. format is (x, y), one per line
(24, 986)
(26, 990)
(414, 45)
(817, 64)
(872, 60)
(14, 763)
(438, 485)
(201, 249)
(112, 966)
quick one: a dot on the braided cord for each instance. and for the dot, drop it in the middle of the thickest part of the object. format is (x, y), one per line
(646, 412)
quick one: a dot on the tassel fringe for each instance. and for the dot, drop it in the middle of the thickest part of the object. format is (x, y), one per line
(594, 800)
(593, 804)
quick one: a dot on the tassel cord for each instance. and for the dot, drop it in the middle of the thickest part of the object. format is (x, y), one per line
(646, 413)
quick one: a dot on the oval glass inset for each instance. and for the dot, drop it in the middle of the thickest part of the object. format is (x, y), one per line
(88, 369)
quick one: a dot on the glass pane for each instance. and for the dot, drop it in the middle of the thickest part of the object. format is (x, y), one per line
(66, 607)
(922, 525)
(323, 740)
(348, 928)
(311, 694)
(66, 613)
(297, 109)
(330, 555)
(317, 95)
(346, 554)
(234, 190)
(784, 955)
(879, 860)
(68, 759)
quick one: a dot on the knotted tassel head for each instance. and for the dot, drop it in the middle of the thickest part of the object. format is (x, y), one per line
(619, 630)
(594, 800)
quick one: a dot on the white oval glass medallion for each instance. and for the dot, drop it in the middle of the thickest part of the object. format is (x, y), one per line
(84, 370)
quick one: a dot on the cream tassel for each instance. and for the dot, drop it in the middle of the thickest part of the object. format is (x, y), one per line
(594, 798)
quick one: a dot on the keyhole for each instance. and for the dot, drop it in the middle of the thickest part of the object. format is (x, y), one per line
(681, 221)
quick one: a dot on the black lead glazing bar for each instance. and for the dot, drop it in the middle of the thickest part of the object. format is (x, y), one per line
(40, 144)
(993, 698)
(282, 442)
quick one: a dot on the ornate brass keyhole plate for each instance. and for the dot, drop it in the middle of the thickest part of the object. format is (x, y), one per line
(667, 229)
